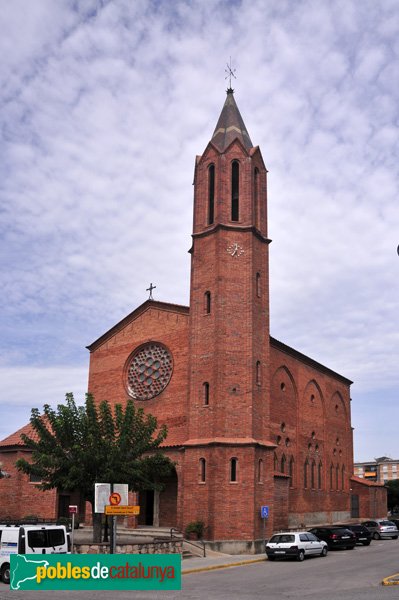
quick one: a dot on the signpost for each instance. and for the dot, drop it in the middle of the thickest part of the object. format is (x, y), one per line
(73, 510)
(113, 499)
(264, 513)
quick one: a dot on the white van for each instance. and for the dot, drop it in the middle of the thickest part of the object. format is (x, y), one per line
(30, 539)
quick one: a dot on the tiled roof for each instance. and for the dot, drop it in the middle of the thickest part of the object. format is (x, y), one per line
(15, 438)
(365, 482)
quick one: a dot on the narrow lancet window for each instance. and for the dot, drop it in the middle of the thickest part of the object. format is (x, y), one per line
(291, 471)
(235, 185)
(305, 473)
(283, 461)
(205, 392)
(258, 373)
(256, 197)
(202, 469)
(211, 194)
(207, 303)
(319, 475)
(258, 290)
(260, 471)
(233, 469)
(312, 475)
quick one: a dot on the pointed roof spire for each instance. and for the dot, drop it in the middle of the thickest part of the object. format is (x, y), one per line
(230, 125)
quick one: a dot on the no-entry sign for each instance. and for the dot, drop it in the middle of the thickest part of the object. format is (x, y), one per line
(115, 499)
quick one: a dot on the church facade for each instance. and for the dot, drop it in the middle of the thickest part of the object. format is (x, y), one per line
(251, 422)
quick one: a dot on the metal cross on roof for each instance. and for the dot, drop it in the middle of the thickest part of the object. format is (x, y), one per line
(230, 73)
(152, 287)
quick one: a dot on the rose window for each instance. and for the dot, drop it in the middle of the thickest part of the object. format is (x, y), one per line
(149, 371)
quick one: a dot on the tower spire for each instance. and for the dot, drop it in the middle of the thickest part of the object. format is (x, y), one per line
(230, 126)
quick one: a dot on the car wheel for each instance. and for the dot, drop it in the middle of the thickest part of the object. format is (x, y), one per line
(395, 537)
(324, 551)
(271, 558)
(376, 535)
(301, 556)
(5, 573)
(350, 547)
(366, 543)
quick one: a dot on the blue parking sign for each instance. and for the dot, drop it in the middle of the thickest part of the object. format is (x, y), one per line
(264, 511)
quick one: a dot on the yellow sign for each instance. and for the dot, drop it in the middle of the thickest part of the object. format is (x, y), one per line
(122, 510)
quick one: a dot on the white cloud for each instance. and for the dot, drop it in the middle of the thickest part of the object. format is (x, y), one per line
(104, 106)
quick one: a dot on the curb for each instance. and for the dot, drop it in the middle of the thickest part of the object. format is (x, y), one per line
(224, 566)
(390, 580)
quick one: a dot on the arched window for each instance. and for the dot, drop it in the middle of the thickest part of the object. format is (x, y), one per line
(319, 475)
(233, 469)
(260, 471)
(331, 476)
(205, 393)
(283, 461)
(258, 373)
(337, 477)
(211, 194)
(202, 470)
(343, 477)
(275, 462)
(235, 185)
(207, 303)
(256, 196)
(291, 471)
(258, 290)
(313, 475)
(305, 473)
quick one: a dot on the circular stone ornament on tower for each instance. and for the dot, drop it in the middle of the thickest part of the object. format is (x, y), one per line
(149, 371)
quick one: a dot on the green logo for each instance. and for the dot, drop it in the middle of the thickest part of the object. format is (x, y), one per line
(95, 572)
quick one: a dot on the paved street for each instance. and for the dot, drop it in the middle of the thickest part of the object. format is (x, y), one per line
(343, 575)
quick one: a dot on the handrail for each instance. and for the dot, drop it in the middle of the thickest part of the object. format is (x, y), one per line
(202, 547)
(174, 530)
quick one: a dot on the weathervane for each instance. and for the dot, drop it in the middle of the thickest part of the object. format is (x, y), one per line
(230, 73)
(152, 287)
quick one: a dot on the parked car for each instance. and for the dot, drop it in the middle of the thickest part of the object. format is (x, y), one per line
(363, 535)
(295, 544)
(336, 537)
(382, 528)
(395, 522)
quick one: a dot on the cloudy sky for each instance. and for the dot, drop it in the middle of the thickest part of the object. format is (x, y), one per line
(103, 107)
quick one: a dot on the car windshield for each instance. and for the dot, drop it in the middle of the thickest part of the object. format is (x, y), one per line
(282, 538)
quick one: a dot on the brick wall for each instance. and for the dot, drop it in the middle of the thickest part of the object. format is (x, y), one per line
(20, 498)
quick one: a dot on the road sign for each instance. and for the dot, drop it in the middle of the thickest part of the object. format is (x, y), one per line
(73, 509)
(102, 493)
(122, 510)
(115, 499)
(264, 512)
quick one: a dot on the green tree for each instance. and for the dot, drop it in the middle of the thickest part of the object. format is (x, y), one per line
(393, 494)
(75, 447)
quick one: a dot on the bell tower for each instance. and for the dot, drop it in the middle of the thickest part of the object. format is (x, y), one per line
(229, 394)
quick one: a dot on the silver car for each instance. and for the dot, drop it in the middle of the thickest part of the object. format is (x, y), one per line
(382, 528)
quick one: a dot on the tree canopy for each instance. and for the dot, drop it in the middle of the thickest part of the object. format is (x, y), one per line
(393, 494)
(74, 447)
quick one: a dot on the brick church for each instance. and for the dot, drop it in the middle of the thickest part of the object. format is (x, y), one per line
(251, 421)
